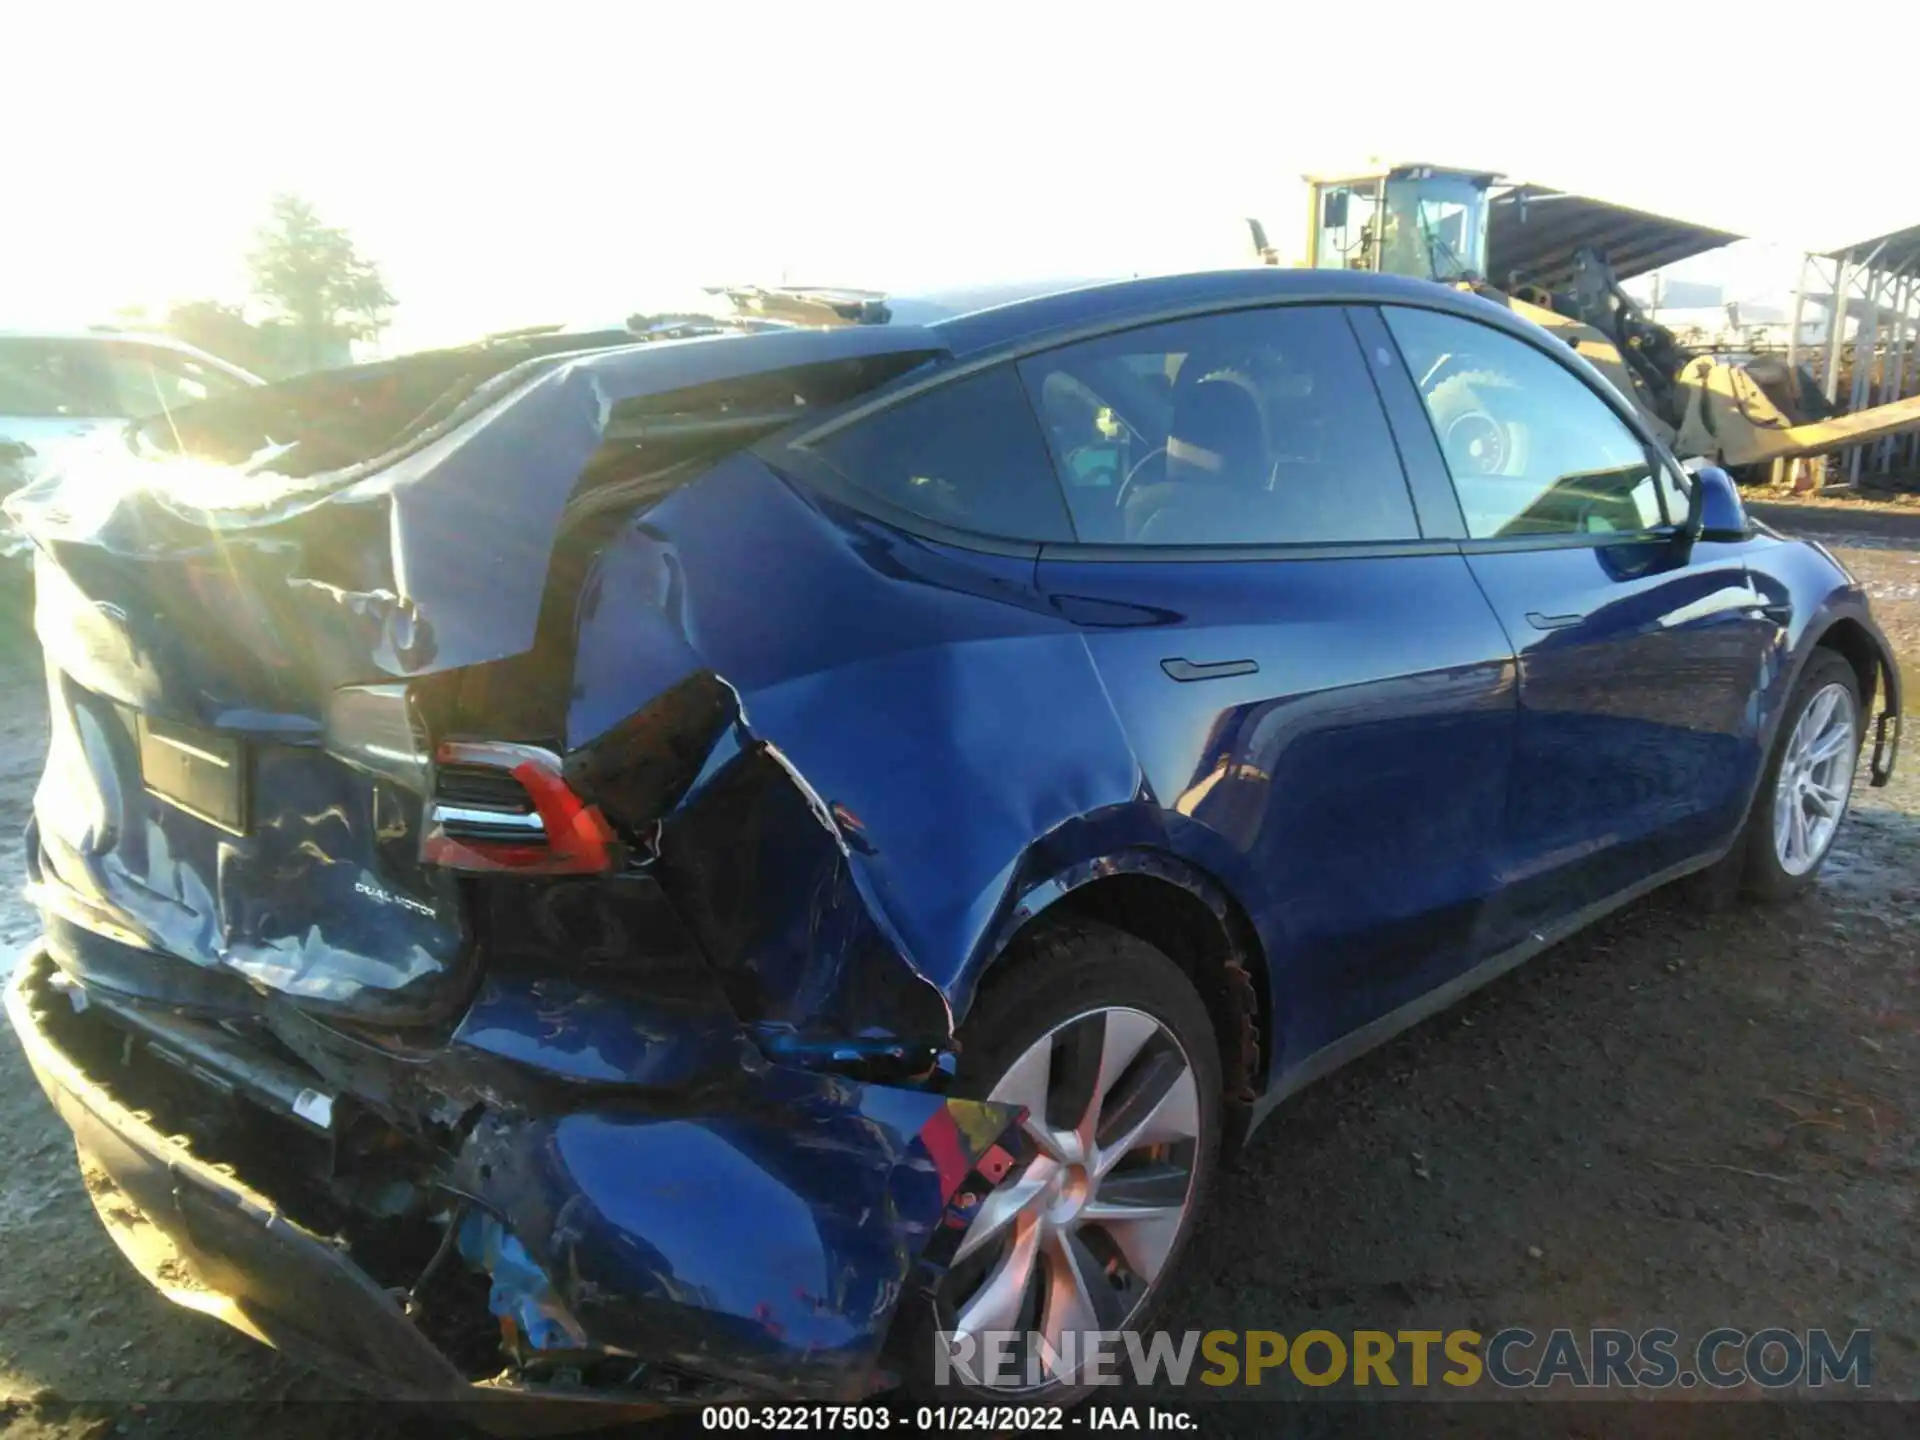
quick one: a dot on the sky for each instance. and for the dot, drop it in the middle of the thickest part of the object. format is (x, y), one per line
(509, 165)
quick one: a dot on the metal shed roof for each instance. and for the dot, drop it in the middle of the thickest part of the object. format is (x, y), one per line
(1896, 250)
(1534, 230)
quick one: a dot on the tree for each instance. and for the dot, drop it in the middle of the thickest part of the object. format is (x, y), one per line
(326, 293)
(223, 330)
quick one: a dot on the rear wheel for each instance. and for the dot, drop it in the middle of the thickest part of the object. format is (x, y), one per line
(1108, 1045)
(1808, 782)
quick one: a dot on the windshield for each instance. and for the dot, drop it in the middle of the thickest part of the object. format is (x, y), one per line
(1436, 228)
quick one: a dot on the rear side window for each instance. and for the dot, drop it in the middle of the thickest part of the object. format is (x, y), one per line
(1259, 427)
(1532, 449)
(967, 455)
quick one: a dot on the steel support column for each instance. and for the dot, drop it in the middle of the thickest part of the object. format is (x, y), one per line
(1807, 264)
(1895, 371)
(1837, 325)
(1865, 342)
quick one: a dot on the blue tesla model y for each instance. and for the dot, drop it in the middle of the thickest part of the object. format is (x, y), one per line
(711, 858)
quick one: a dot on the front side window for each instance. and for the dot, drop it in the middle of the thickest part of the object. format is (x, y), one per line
(1531, 448)
(964, 455)
(1259, 427)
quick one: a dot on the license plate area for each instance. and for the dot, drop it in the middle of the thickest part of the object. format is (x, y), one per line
(196, 770)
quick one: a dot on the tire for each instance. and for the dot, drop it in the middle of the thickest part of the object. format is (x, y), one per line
(1773, 871)
(1070, 994)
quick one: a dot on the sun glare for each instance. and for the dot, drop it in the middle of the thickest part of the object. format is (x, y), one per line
(512, 174)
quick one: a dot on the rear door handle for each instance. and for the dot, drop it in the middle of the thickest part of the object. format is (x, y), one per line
(1552, 622)
(1184, 670)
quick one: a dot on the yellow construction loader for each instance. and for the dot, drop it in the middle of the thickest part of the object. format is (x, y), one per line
(1545, 255)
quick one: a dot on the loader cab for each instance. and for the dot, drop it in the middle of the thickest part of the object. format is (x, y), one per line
(1419, 220)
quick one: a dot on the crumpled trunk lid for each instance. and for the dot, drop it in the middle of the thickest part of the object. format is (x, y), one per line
(212, 794)
(239, 768)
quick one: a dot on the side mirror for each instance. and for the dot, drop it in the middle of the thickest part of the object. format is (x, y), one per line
(1714, 508)
(1333, 210)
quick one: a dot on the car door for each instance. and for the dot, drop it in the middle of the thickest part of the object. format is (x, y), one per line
(1319, 696)
(1643, 655)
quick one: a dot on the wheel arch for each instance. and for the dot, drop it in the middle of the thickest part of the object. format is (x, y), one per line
(1851, 633)
(1181, 910)
(1861, 650)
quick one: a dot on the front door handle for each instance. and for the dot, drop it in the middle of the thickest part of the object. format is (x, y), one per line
(1184, 670)
(1552, 622)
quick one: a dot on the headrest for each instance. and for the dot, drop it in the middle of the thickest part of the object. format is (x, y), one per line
(1217, 436)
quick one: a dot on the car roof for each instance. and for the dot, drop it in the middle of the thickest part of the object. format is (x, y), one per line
(1011, 318)
(109, 336)
(1060, 317)
(1051, 317)
(931, 306)
(968, 322)
(1044, 316)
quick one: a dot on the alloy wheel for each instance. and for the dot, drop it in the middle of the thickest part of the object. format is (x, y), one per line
(1072, 1242)
(1815, 779)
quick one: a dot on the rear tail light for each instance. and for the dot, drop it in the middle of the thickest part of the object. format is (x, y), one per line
(504, 808)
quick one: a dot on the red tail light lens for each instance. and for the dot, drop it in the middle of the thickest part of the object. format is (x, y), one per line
(505, 808)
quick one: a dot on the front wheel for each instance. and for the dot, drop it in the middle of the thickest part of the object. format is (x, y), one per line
(1108, 1045)
(1808, 782)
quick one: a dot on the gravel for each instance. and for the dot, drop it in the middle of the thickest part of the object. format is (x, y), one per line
(1678, 1118)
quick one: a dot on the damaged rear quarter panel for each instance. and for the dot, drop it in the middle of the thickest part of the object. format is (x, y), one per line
(860, 824)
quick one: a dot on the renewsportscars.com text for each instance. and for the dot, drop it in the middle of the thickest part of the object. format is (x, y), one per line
(1774, 1358)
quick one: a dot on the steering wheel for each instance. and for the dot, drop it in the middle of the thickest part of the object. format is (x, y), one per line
(1133, 473)
(1474, 439)
(1475, 443)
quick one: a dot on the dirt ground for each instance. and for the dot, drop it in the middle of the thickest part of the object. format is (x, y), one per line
(1675, 1119)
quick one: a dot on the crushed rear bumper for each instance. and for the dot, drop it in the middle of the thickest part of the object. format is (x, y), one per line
(756, 1246)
